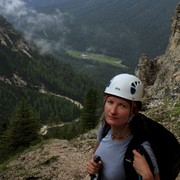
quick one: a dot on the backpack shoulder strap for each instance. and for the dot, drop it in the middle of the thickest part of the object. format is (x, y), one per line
(164, 144)
(130, 172)
(143, 152)
(105, 130)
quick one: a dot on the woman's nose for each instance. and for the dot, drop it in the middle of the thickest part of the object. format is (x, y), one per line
(113, 110)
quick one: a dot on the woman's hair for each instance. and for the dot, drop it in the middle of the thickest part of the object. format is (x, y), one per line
(105, 125)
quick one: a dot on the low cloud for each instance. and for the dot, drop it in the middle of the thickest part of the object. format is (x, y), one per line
(48, 31)
(12, 7)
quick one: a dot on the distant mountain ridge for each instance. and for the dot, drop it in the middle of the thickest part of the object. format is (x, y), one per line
(11, 44)
(125, 29)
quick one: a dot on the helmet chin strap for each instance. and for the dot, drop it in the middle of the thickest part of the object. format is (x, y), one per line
(130, 119)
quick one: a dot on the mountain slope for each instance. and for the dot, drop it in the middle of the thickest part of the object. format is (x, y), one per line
(41, 79)
(17, 58)
(125, 29)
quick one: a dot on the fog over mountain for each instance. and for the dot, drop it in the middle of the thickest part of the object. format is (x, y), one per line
(33, 23)
(124, 29)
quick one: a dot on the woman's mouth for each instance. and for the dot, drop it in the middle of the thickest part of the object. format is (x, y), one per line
(112, 118)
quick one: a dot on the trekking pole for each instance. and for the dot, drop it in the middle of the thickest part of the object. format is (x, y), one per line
(96, 159)
(139, 177)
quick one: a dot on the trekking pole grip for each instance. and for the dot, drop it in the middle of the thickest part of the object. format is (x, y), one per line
(96, 159)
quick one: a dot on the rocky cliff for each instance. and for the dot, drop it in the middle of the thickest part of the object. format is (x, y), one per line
(12, 39)
(161, 75)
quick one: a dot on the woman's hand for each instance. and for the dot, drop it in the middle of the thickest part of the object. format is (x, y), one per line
(93, 167)
(141, 166)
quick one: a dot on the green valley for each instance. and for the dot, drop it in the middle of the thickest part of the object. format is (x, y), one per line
(113, 61)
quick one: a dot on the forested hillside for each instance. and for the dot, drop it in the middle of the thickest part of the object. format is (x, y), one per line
(40, 79)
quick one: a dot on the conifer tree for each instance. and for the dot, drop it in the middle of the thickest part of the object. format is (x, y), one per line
(89, 116)
(24, 127)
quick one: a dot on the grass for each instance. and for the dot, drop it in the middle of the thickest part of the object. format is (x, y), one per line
(117, 62)
(168, 114)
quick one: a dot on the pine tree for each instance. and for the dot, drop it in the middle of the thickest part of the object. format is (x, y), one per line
(89, 115)
(24, 127)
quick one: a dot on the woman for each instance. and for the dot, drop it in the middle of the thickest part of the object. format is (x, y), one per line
(122, 101)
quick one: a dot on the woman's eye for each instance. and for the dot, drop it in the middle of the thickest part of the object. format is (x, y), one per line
(110, 102)
(122, 106)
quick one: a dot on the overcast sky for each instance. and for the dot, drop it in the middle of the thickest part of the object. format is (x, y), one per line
(13, 7)
(36, 25)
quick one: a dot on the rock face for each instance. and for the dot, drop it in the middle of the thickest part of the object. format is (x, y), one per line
(161, 76)
(10, 39)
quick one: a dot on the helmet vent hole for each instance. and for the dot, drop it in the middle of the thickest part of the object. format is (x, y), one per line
(134, 86)
(133, 90)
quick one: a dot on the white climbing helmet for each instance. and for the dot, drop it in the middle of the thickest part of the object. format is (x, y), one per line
(126, 86)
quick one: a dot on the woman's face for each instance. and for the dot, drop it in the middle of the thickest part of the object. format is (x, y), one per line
(117, 111)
